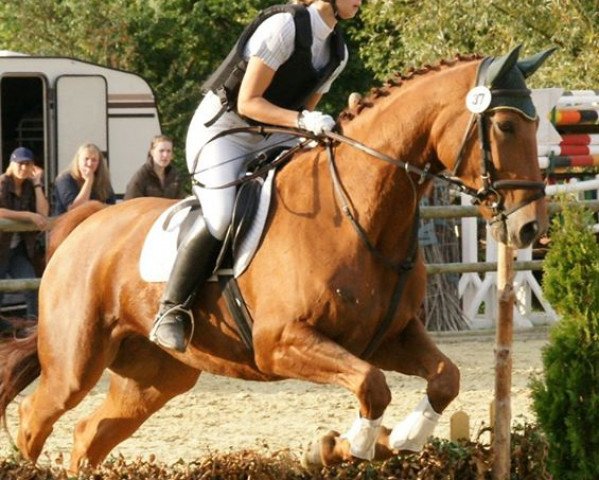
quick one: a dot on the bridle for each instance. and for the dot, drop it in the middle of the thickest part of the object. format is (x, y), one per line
(491, 189)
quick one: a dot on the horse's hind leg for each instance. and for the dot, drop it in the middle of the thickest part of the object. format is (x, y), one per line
(413, 352)
(146, 379)
(68, 374)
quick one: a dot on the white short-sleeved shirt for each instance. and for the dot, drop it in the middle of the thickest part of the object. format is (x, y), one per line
(274, 40)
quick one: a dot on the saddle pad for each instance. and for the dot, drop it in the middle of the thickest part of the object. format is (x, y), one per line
(160, 246)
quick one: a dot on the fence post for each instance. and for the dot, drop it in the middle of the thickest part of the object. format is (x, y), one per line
(503, 364)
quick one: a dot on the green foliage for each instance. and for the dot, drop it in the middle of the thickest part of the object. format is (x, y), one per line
(176, 44)
(571, 268)
(401, 33)
(566, 399)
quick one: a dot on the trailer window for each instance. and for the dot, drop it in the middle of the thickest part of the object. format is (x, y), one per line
(22, 105)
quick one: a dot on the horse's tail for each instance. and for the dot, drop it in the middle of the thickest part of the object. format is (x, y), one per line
(19, 366)
(66, 223)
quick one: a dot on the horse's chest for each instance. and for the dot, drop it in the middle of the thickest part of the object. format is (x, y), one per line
(355, 298)
(352, 303)
(355, 305)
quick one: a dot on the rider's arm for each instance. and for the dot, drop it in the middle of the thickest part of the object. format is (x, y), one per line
(313, 101)
(251, 102)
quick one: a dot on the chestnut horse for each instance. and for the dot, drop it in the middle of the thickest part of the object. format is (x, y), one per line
(315, 289)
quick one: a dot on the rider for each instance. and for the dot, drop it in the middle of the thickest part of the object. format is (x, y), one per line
(280, 67)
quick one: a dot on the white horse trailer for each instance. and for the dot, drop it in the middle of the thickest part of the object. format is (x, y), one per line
(54, 104)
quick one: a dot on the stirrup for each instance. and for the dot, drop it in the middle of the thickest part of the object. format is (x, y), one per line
(172, 313)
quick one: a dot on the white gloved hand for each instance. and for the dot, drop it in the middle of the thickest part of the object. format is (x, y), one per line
(315, 122)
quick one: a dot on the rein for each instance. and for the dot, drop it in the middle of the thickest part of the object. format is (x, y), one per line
(423, 173)
(397, 267)
(489, 190)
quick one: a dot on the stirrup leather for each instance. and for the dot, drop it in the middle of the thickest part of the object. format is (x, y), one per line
(153, 336)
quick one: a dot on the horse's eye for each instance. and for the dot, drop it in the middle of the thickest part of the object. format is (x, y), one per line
(506, 126)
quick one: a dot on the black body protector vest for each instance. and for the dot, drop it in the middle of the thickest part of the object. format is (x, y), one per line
(295, 81)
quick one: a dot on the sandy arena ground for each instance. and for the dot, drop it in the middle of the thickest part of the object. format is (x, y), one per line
(222, 414)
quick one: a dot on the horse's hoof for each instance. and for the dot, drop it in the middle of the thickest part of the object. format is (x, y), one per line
(320, 452)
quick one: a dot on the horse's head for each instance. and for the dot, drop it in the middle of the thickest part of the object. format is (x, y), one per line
(497, 160)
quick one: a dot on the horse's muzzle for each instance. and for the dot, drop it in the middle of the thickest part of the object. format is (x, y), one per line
(520, 236)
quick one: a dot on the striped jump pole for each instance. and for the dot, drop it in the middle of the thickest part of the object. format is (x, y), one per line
(568, 161)
(580, 139)
(567, 150)
(578, 97)
(563, 117)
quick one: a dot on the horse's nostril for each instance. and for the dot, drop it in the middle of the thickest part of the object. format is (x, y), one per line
(529, 232)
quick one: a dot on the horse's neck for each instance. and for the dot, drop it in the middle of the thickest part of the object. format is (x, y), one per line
(383, 195)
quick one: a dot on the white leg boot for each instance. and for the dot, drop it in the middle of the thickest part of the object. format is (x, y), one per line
(362, 437)
(412, 433)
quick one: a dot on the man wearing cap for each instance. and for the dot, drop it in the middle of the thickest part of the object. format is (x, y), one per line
(21, 198)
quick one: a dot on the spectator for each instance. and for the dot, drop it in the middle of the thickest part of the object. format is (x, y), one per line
(86, 179)
(157, 177)
(21, 198)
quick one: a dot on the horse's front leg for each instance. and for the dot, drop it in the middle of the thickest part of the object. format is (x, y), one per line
(299, 351)
(413, 352)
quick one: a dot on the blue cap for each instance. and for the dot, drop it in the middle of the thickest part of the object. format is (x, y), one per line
(21, 154)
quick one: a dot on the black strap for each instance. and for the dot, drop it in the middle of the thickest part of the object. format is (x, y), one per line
(346, 209)
(283, 157)
(402, 268)
(402, 278)
(238, 309)
(221, 93)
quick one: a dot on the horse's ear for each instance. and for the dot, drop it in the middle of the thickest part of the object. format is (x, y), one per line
(529, 65)
(502, 65)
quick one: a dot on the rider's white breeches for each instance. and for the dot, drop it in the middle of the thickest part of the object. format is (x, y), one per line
(220, 161)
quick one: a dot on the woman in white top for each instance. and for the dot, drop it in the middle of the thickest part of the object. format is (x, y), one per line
(282, 64)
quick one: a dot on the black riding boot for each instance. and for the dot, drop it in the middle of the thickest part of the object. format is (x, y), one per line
(193, 266)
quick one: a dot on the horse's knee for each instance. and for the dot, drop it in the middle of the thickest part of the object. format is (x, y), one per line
(373, 393)
(444, 386)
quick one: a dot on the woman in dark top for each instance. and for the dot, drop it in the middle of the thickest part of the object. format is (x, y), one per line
(157, 177)
(86, 179)
(21, 198)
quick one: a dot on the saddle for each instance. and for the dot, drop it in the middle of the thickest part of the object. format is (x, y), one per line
(247, 203)
(250, 211)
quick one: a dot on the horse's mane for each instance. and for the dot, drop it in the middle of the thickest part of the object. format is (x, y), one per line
(67, 222)
(397, 80)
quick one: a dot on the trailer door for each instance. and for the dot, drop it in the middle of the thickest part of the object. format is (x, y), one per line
(81, 115)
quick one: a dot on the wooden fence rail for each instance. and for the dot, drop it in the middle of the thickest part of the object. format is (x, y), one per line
(460, 211)
(426, 213)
